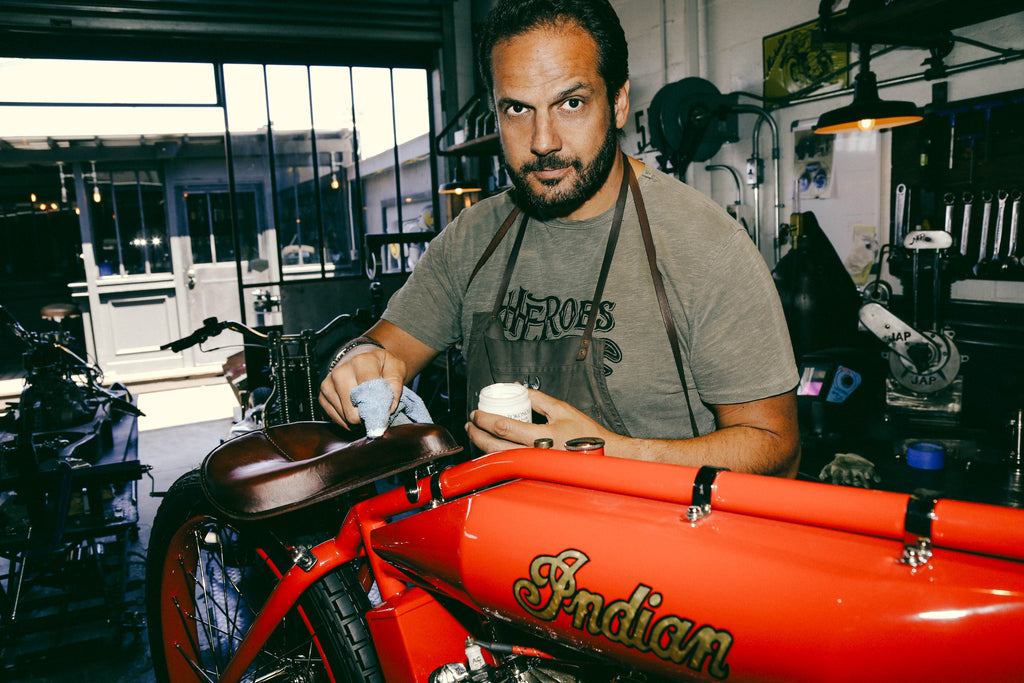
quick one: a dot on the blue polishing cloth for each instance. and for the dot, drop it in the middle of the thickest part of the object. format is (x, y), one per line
(373, 399)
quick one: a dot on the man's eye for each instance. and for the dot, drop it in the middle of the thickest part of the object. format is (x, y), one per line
(516, 109)
(573, 103)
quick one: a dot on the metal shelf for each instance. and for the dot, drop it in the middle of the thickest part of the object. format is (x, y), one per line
(915, 22)
(485, 145)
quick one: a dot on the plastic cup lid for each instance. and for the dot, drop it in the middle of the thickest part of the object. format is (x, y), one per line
(926, 456)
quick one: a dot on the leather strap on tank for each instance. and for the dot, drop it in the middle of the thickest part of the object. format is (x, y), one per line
(435, 487)
(704, 483)
(703, 488)
(917, 531)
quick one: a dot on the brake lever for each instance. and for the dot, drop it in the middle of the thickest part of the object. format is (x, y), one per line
(211, 328)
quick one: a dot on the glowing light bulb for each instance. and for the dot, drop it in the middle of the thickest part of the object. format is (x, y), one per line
(96, 194)
(32, 197)
(53, 205)
(42, 207)
(459, 190)
(78, 212)
(334, 182)
(866, 124)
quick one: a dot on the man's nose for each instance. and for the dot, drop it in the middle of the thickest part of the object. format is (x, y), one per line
(545, 136)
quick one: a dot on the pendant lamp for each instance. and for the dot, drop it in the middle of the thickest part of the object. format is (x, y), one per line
(459, 187)
(867, 111)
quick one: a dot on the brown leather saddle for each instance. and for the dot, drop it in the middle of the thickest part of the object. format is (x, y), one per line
(286, 467)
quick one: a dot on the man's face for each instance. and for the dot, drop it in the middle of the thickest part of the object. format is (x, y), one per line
(558, 132)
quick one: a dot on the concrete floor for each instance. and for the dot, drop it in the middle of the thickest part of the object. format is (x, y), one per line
(182, 423)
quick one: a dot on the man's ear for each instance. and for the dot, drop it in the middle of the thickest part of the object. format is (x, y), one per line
(621, 106)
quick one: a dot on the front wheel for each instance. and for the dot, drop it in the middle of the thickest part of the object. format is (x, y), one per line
(207, 578)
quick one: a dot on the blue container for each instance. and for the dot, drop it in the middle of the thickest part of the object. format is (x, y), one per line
(923, 455)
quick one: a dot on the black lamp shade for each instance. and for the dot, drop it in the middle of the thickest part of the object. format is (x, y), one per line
(459, 187)
(867, 111)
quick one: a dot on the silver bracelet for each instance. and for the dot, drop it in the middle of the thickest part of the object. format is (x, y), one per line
(358, 341)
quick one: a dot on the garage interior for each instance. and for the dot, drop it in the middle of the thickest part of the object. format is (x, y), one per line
(168, 164)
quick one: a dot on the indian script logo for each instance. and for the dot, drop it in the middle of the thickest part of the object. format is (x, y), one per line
(552, 588)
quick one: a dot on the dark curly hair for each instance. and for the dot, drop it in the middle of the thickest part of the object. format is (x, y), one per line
(509, 18)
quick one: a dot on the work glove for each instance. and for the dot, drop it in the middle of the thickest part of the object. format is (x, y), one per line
(850, 469)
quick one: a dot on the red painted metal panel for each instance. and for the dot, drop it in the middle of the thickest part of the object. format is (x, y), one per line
(414, 635)
(734, 595)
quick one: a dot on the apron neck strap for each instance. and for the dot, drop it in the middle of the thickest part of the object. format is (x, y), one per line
(609, 252)
(659, 289)
(495, 241)
(510, 266)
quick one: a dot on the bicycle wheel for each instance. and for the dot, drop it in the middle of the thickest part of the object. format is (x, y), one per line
(206, 579)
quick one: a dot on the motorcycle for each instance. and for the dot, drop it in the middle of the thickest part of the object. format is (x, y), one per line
(69, 473)
(292, 555)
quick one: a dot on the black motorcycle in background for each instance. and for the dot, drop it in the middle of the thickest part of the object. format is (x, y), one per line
(69, 473)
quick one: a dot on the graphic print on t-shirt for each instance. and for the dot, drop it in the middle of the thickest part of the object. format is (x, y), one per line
(527, 316)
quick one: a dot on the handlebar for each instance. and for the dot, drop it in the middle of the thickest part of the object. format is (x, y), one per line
(12, 323)
(212, 327)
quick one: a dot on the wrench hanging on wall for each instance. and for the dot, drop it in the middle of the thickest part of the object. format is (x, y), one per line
(949, 200)
(965, 230)
(1012, 263)
(997, 242)
(902, 212)
(986, 217)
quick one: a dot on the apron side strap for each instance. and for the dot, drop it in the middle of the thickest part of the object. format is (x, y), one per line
(659, 288)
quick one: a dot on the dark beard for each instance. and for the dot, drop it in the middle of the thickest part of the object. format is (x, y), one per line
(590, 179)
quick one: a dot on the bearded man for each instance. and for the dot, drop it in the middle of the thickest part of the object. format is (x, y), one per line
(634, 307)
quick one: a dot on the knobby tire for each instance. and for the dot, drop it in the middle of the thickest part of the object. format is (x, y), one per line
(206, 578)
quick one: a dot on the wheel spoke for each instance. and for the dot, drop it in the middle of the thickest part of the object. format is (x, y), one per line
(221, 609)
(207, 602)
(195, 666)
(185, 618)
(215, 577)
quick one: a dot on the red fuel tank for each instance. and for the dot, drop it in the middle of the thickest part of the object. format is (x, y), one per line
(732, 596)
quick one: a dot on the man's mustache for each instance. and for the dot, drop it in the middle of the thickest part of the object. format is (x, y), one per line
(548, 163)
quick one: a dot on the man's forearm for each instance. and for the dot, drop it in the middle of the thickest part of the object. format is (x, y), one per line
(740, 448)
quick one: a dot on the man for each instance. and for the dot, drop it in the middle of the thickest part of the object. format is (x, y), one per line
(698, 373)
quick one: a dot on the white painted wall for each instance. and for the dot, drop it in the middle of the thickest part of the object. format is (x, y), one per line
(721, 40)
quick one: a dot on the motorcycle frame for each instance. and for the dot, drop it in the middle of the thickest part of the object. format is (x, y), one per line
(956, 525)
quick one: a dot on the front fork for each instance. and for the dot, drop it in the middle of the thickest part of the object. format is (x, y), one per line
(312, 565)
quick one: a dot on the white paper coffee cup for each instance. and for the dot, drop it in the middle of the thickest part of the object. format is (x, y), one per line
(507, 398)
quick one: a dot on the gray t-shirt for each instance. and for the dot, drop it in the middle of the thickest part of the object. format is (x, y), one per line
(731, 327)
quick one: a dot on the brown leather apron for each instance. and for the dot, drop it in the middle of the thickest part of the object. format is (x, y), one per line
(569, 368)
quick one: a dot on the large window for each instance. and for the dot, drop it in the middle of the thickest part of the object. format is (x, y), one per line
(395, 180)
(129, 223)
(153, 168)
(208, 215)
